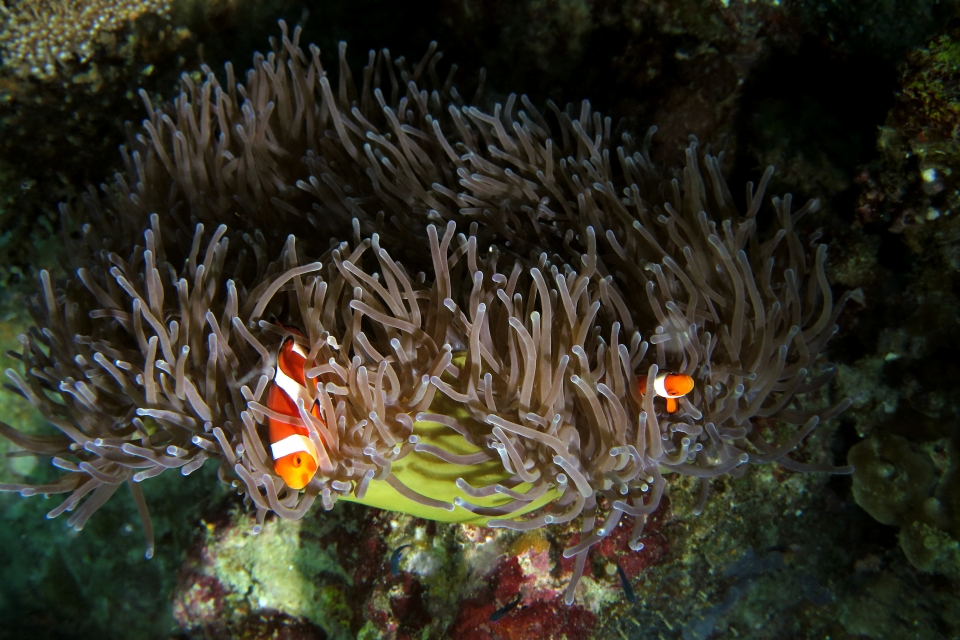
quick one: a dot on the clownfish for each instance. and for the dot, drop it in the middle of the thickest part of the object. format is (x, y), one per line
(295, 456)
(670, 386)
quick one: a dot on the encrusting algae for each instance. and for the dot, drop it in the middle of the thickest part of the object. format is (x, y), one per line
(492, 345)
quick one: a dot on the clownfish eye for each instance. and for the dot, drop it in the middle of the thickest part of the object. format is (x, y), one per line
(296, 461)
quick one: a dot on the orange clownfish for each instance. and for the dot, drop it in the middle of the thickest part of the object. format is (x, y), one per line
(670, 386)
(295, 456)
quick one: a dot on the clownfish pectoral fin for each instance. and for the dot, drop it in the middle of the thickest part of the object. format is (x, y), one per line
(671, 405)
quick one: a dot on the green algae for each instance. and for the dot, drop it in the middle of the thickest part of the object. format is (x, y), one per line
(270, 572)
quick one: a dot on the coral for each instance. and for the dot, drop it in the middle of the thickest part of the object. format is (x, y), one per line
(890, 480)
(859, 268)
(61, 132)
(913, 487)
(231, 583)
(906, 469)
(931, 549)
(920, 157)
(39, 37)
(887, 27)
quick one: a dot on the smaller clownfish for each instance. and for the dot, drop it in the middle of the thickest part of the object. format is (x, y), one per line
(295, 457)
(670, 386)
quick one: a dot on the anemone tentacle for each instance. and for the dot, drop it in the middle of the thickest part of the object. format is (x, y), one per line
(484, 347)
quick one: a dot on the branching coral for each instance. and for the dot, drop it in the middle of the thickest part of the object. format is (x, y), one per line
(490, 378)
(40, 36)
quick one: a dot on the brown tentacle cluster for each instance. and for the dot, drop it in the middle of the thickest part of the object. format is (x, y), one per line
(506, 279)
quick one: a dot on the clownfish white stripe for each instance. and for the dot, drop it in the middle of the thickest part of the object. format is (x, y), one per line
(293, 389)
(660, 386)
(297, 349)
(293, 444)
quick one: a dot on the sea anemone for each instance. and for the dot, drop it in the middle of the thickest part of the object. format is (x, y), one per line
(502, 375)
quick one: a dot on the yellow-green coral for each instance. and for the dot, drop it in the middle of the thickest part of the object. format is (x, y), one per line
(910, 485)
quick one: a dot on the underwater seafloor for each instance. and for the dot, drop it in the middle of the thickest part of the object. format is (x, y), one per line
(856, 103)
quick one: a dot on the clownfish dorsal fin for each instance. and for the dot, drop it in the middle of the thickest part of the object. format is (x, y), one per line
(642, 383)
